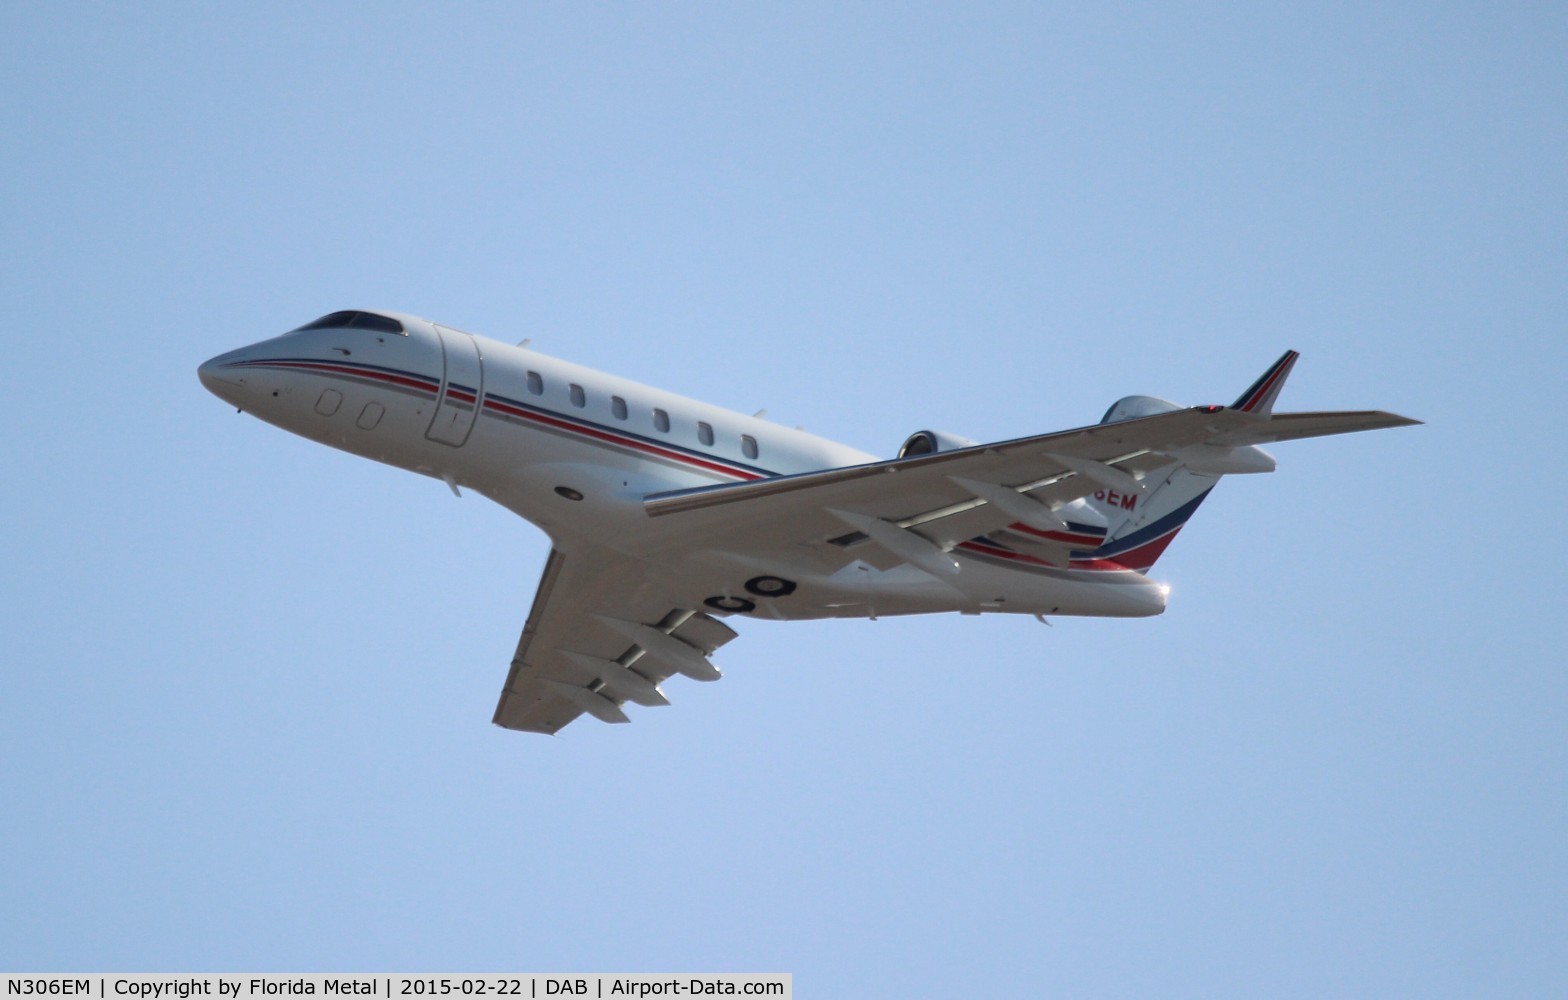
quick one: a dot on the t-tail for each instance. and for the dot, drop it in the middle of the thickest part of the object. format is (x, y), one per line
(1140, 525)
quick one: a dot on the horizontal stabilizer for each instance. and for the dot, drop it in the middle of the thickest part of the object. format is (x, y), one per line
(1294, 426)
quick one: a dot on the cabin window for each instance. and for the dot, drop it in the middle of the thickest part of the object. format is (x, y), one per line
(579, 398)
(618, 407)
(661, 421)
(704, 432)
(536, 383)
(748, 446)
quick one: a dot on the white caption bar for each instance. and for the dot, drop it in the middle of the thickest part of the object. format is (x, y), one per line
(386, 986)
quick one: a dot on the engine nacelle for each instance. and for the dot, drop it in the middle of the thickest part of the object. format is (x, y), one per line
(931, 442)
(1204, 459)
(1131, 407)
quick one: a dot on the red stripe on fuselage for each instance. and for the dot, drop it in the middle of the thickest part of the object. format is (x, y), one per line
(1141, 558)
(986, 548)
(609, 437)
(359, 372)
(1058, 536)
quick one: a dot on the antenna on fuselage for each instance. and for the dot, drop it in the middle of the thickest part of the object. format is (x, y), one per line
(525, 342)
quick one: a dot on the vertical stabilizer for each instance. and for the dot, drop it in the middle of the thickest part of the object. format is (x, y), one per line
(1142, 524)
(1260, 395)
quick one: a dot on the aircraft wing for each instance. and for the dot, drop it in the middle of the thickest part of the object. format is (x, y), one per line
(588, 645)
(607, 628)
(915, 509)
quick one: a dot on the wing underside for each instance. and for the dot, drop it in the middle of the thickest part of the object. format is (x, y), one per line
(602, 632)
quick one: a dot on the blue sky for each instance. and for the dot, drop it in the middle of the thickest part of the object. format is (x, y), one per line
(244, 718)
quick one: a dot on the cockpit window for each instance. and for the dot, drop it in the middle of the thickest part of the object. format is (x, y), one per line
(350, 319)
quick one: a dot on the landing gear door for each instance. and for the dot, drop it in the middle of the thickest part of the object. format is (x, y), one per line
(462, 389)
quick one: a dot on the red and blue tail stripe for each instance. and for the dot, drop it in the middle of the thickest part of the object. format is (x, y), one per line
(1139, 550)
(1260, 395)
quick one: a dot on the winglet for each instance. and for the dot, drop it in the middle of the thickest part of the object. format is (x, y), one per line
(1260, 395)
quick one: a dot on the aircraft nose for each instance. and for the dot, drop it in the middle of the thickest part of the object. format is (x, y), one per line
(218, 378)
(207, 371)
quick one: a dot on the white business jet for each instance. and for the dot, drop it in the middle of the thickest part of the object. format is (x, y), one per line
(668, 516)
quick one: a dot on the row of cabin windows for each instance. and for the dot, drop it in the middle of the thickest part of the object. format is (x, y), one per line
(661, 419)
